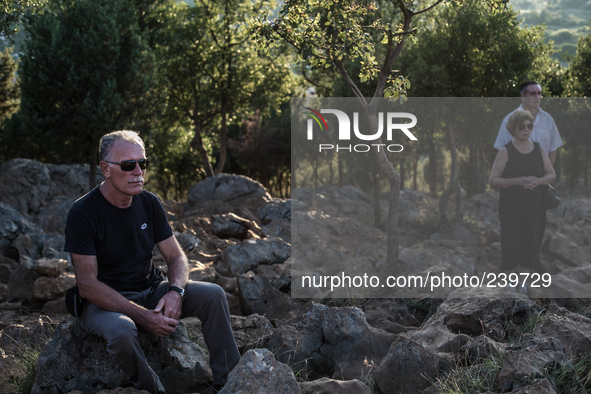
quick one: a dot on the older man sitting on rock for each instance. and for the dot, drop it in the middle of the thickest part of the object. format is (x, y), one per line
(110, 234)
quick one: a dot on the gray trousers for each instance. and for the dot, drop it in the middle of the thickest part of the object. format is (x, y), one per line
(206, 301)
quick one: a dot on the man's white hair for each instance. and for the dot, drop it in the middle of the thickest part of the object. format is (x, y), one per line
(107, 141)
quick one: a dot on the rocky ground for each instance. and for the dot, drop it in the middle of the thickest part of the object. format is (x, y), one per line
(236, 235)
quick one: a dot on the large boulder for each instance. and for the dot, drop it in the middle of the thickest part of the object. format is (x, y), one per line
(248, 254)
(332, 386)
(530, 359)
(259, 373)
(225, 193)
(259, 296)
(81, 362)
(43, 192)
(337, 339)
(571, 329)
(409, 368)
(469, 313)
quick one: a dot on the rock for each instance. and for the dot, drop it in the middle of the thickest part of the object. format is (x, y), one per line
(52, 216)
(414, 206)
(337, 339)
(12, 224)
(118, 390)
(455, 235)
(564, 247)
(259, 373)
(22, 281)
(409, 368)
(47, 289)
(250, 332)
(70, 362)
(275, 209)
(25, 185)
(44, 192)
(278, 228)
(51, 267)
(480, 348)
(226, 193)
(228, 284)
(464, 315)
(56, 308)
(390, 315)
(3, 292)
(278, 274)
(572, 283)
(259, 296)
(544, 386)
(201, 272)
(233, 226)
(331, 386)
(187, 240)
(230, 226)
(571, 329)
(530, 359)
(248, 254)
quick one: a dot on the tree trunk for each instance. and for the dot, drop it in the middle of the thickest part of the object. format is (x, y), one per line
(392, 266)
(432, 170)
(453, 186)
(197, 143)
(415, 166)
(377, 214)
(219, 167)
(587, 162)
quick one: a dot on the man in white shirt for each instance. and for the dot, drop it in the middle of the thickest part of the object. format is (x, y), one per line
(545, 131)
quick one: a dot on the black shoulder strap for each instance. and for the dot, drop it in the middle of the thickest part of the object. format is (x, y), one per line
(539, 149)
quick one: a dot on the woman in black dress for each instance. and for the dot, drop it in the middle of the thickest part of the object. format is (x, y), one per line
(519, 168)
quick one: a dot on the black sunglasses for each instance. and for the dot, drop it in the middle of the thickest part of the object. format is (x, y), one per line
(520, 127)
(129, 165)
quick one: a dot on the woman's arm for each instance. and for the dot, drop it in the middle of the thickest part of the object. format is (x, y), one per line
(496, 179)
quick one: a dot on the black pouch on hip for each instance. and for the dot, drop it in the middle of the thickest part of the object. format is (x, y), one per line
(74, 303)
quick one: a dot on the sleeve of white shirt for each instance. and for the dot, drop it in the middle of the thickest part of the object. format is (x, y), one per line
(556, 141)
(503, 137)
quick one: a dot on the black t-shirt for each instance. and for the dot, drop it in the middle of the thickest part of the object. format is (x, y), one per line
(122, 239)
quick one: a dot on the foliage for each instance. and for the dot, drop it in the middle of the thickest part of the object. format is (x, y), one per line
(475, 49)
(9, 92)
(262, 150)
(216, 76)
(12, 13)
(86, 70)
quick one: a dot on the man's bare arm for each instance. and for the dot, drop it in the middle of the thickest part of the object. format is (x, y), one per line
(176, 260)
(103, 296)
(178, 275)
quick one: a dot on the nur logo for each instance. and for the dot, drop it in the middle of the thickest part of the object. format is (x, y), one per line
(392, 123)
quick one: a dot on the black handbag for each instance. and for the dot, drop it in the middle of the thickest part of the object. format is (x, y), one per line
(549, 197)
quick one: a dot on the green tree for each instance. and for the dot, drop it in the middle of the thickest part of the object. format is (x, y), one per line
(12, 13)
(215, 74)
(331, 33)
(578, 158)
(86, 70)
(491, 60)
(9, 91)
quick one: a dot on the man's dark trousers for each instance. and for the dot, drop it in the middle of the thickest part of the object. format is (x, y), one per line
(206, 301)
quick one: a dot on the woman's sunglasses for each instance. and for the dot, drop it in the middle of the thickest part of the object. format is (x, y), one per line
(520, 128)
(129, 165)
